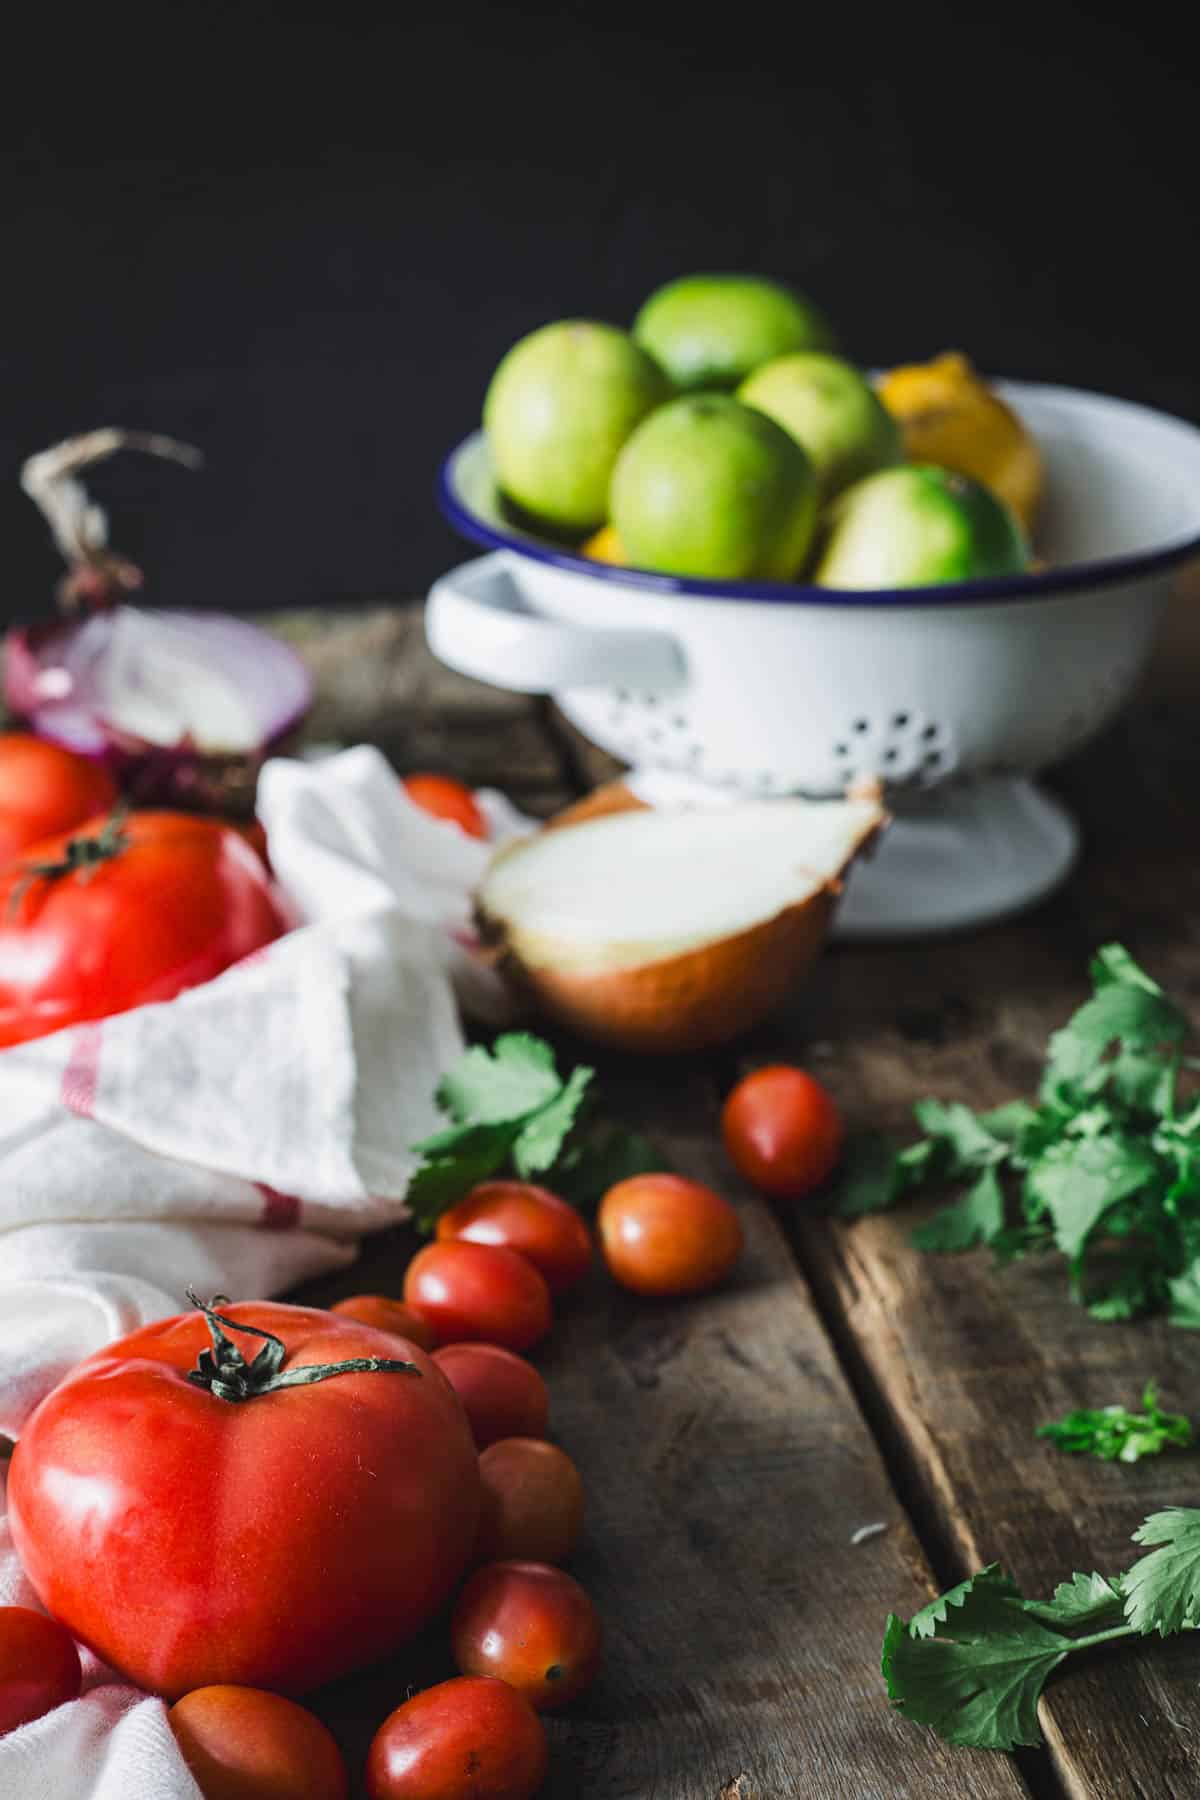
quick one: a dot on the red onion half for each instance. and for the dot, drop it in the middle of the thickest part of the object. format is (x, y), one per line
(183, 707)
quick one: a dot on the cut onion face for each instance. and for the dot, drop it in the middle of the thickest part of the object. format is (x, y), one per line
(672, 930)
(182, 706)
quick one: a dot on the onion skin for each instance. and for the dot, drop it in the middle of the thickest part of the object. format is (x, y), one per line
(702, 997)
(689, 1002)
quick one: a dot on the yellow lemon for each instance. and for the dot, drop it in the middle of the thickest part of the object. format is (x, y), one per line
(605, 546)
(948, 415)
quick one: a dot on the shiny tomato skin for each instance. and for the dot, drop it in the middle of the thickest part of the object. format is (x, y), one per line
(502, 1395)
(478, 1293)
(337, 1515)
(45, 789)
(532, 1502)
(782, 1131)
(531, 1625)
(183, 900)
(666, 1235)
(39, 1666)
(444, 798)
(243, 1743)
(385, 1314)
(469, 1739)
(521, 1216)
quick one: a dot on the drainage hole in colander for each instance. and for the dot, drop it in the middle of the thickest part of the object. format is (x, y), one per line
(929, 732)
(678, 723)
(932, 759)
(841, 749)
(861, 725)
(899, 720)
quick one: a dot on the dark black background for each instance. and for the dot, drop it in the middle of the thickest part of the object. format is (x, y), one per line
(302, 238)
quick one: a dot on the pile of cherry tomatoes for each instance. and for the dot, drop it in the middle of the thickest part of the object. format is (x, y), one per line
(524, 1634)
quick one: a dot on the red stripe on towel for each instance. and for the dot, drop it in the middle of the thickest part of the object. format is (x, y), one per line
(81, 1076)
(281, 1212)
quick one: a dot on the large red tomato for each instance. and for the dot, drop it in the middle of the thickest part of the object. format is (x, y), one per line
(45, 789)
(124, 912)
(197, 1517)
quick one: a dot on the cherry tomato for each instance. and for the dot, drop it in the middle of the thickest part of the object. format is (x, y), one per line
(242, 1743)
(503, 1396)
(532, 1502)
(782, 1131)
(338, 1513)
(531, 1625)
(255, 834)
(45, 789)
(39, 1666)
(478, 1293)
(470, 1739)
(663, 1234)
(528, 1219)
(446, 798)
(176, 901)
(386, 1315)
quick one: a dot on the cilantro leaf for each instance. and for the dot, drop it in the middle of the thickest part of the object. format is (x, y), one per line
(515, 1077)
(596, 1160)
(1184, 1292)
(455, 1160)
(543, 1134)
(871, 1177)
(975, 1219)
(961, 1135)
(973, 1664)
(1111, 1433)
(1078, 1181)
(1127, 1006)
(1084, 1600)
(1162, 1590)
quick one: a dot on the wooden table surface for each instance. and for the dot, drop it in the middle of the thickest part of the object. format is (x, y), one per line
(733, 1445)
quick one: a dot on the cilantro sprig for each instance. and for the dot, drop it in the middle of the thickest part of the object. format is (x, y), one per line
(508, 1108)
(1114, 1434)
(973, 1663)
(1107, 1156)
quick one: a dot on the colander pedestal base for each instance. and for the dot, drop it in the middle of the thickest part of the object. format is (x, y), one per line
(960, 856)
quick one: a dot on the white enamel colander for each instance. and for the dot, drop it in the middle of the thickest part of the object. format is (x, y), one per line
(952, 696)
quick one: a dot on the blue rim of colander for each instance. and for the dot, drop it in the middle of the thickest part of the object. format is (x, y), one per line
(1033, 584)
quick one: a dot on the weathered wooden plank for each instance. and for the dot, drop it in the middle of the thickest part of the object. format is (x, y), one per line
(727, 1467)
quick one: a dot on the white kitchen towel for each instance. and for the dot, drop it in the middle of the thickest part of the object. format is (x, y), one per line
(238, 1139)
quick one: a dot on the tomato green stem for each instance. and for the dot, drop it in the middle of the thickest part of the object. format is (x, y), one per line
(81, 856)
(226, 1374)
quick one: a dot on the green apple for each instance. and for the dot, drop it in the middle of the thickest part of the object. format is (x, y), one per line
(915, 526)
(707, 486)
(711, 331)
(832, 411)
(558, 409)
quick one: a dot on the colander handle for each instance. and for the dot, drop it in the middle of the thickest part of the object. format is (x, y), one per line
(477, 622)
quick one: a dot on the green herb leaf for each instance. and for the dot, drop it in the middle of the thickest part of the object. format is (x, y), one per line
(514, 1078)
(1113, 1434)
(973, 1664)
(1084, 1600)
(1127, 1006)
(961, 1135)
(599, 1158)
(1162, 1591)
(871, 1177)
(975, 1219)
(456, 1159)
(1078, 1181)
(1184, 1292)
(543, 1135)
